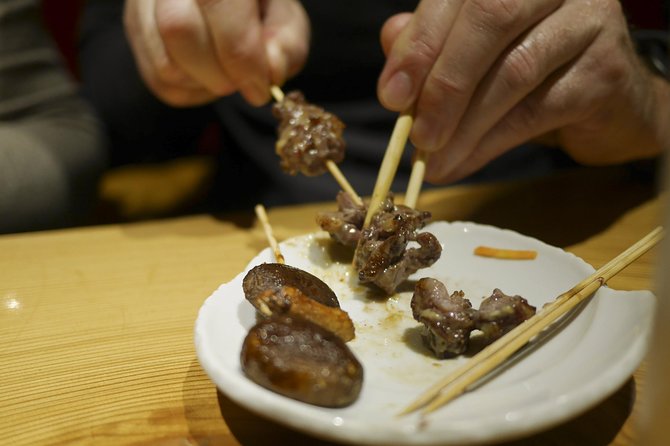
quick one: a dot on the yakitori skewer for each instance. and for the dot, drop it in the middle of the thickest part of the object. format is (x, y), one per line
(416, 179)
(390, 163)
(265, 222)
(332, 167)
(458, 382)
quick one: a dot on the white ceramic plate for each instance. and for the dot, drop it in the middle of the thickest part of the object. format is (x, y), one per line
(583, 362)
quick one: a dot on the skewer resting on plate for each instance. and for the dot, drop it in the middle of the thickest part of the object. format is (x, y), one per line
(460, 380)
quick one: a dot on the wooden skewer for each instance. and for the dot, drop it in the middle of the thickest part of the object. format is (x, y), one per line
(390, 163)
(263, 218)
(277, 93)
(342, 181)
(495, 354)
(334, 170)
(416, 179)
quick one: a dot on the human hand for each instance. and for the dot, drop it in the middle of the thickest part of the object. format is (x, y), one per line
(486, 75)
(190, 52)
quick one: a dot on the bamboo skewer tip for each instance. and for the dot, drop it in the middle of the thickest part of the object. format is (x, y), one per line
(277, 93)
(267, 228)
(416, 179)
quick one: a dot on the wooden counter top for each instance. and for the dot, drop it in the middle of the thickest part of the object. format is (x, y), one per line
(96, 323)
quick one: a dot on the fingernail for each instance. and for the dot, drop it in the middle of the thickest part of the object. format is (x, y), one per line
(398, 91)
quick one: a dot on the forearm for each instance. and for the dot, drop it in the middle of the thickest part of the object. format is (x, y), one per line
(50, 164)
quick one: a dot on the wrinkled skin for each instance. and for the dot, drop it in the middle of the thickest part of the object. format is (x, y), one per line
(483, 76)
(191, 52)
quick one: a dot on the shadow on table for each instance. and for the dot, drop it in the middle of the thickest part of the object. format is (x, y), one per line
(596, 427)
(562, 209)
(213, 418)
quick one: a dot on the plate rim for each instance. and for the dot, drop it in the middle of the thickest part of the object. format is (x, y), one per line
(568, 407)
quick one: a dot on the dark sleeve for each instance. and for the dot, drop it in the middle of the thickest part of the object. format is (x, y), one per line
(649, 24)
(140, 127)
(51, 147)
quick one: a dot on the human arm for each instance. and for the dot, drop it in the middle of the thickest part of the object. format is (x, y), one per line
(485, 76)
(190, 52)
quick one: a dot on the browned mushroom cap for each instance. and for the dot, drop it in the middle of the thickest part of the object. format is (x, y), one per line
(301, 360)
(290, 301)
(270, 276)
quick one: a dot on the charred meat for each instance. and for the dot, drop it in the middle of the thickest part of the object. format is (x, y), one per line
(303, 361)
(343, 225)
(448, 319)
(499, 313)
(383, 255)
(309, 136)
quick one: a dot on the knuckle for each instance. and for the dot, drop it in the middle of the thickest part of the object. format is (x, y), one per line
(240, 51)
(423, 49)
(521, 69)
(444, 86)
(605, 65)
(495, 15)
(524, 116)
(420, 52)
(166, 72)
(173, 26)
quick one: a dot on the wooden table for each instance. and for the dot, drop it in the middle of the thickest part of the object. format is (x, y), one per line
(97, 323)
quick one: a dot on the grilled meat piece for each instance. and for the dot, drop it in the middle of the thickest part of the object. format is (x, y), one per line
(291, 301)
(271, 276)
(308, 136)
(382, 256)
(303, 361)
(343, 225)
(447, 318)
(499, 313)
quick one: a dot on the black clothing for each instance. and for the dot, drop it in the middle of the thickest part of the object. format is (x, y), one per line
(341, 74)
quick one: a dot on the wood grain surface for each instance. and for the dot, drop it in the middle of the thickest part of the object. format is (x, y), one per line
(96, 323)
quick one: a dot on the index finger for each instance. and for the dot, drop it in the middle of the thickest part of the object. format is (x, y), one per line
(480, 35)
(236, 29)
(414, 52)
